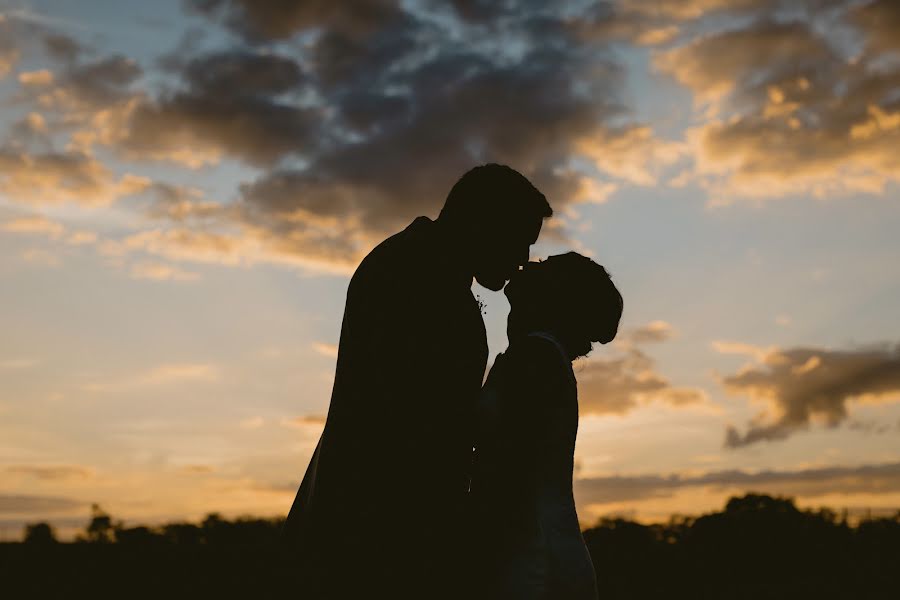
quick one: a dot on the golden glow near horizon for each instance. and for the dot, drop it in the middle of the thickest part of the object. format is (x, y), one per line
(179, 214)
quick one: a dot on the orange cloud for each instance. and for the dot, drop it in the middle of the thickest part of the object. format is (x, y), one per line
(161, 272)
(60, 177)
(784, 110)
(34, 224)
(619, 385)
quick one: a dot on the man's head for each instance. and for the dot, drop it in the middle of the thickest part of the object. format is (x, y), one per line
(498, 214)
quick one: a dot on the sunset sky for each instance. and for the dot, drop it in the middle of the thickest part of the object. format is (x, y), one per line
(186, 186)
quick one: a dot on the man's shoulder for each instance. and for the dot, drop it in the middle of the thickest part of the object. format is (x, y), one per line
(399, 254)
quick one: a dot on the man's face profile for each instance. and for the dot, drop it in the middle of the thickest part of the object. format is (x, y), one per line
(505, 250)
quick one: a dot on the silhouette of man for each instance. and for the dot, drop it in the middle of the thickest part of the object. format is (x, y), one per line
(380, 509)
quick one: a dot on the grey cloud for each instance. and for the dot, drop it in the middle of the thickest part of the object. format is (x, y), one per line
(808, 384)
(416, 128)
(243, 73)
(404, 99)
(9, 52)
(62, 47)
(881, 19)
(813, 482)
(230, 103)
(13, 504)
(262, 20)
(95, 84)
(375, 114)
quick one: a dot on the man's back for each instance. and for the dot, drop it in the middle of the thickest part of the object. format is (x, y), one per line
(389, 477)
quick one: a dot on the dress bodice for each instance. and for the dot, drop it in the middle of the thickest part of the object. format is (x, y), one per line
(527, 422)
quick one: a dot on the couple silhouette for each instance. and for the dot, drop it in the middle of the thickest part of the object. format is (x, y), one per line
(426, 483)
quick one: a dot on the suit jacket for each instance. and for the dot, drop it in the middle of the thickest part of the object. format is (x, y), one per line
(385, 490)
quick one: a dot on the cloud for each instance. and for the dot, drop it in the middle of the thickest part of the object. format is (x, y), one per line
(41, 257)
(69, 176)
(758, 353)
(51, 472)
(40, 78)
(329, 350)
(654, 331)
(787, 105)
(804, 385)
(161, 272)
(881, 20)
(260, 20)
(244, 247)
(366, 91)
(21, 504)
(380, 85)
(9, 53)
(240, 103)
(624, 382)
(62, 47)
(621, 384)
(41, 225)
(34, 224)
(178, 373)
(18, 363)
(814, 482)
(94, 84)
(252, 422)
(316, 421)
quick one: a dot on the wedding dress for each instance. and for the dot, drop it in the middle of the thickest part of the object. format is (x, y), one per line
(529, 543)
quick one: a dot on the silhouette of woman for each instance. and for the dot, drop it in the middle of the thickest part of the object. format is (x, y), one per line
(529, 544)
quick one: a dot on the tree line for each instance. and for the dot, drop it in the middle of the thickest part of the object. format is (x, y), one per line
(758, 546)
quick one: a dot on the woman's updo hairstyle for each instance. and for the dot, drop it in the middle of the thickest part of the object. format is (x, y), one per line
(569, 294)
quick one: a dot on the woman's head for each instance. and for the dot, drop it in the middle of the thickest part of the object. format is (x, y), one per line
(568, 295)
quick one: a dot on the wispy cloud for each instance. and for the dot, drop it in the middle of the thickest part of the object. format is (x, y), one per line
(176, 373)
(810, 483)
(324, 349)
(51, 472)
(161, 272)
(18, 363)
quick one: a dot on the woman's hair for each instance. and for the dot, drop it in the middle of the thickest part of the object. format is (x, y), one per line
(569, 294)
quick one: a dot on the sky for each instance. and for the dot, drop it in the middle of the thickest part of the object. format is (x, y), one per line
(186, 187)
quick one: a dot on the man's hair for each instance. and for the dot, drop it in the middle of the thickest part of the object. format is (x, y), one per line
(493, 191)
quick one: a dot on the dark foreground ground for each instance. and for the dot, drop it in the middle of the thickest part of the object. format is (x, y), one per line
(758, 547)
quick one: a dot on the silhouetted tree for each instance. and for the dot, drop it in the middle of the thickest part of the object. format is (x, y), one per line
(39, 534)
(100, 529)
(759, 546)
